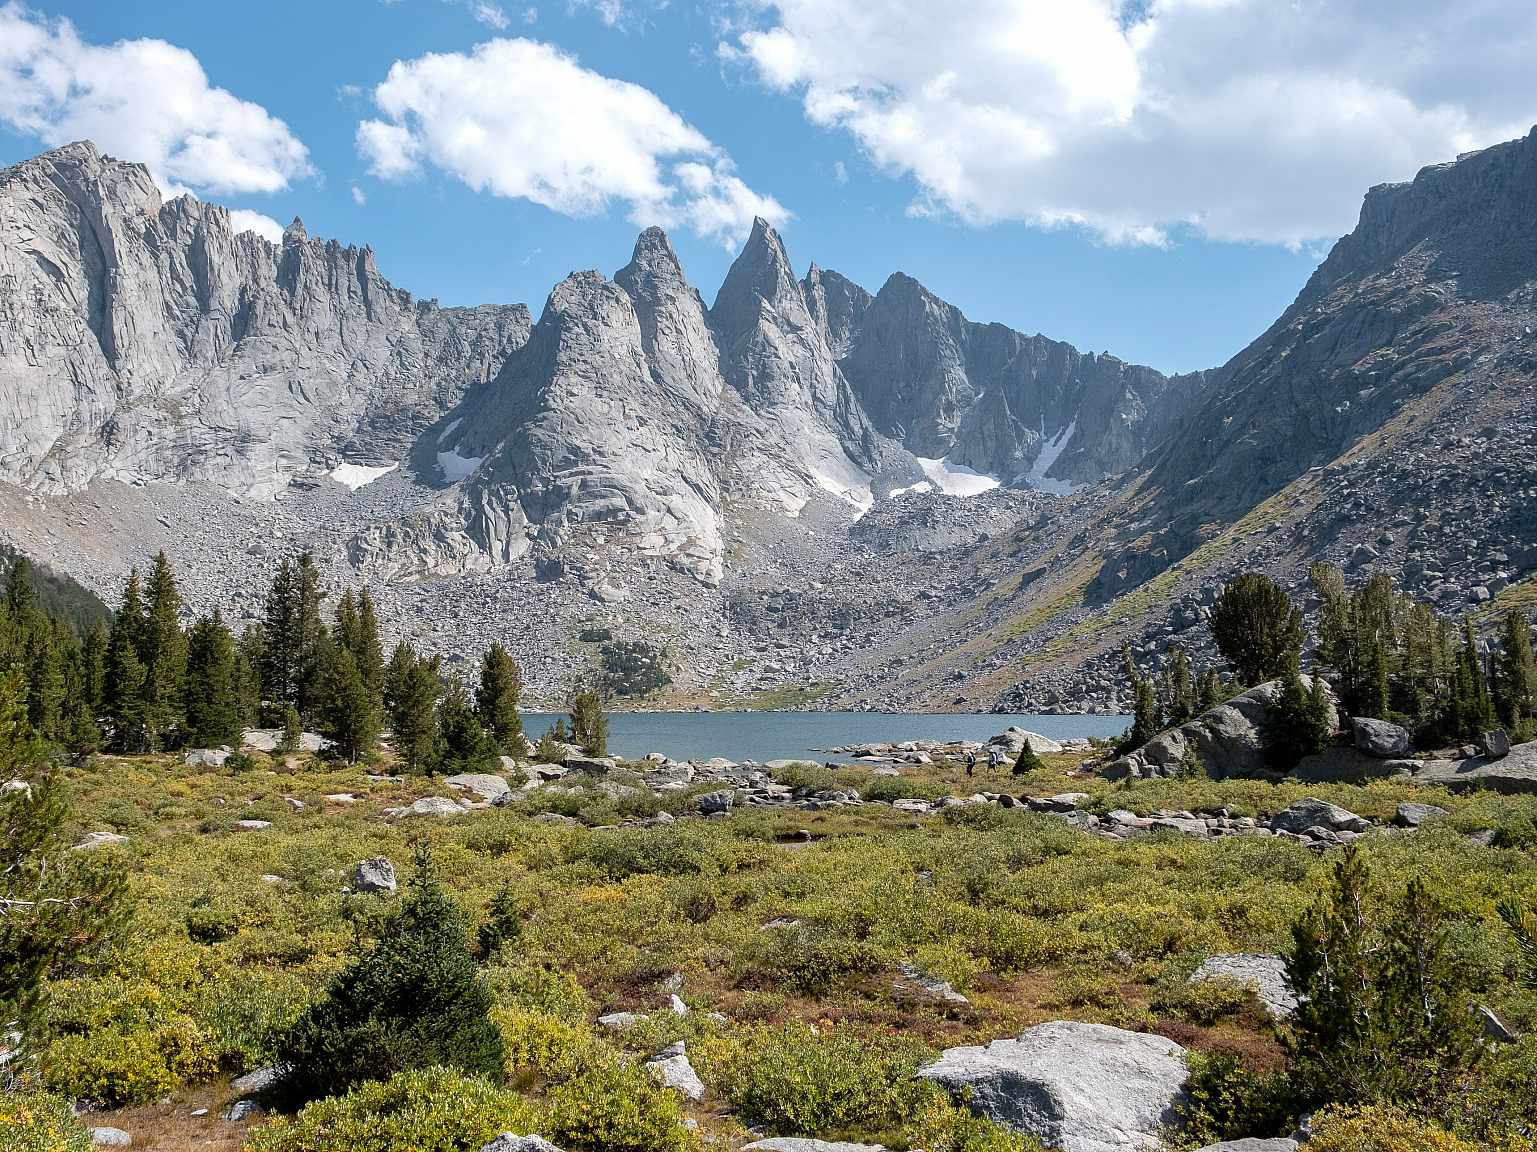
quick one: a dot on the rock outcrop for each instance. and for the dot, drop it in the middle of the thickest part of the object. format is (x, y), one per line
(1074, 1086)
(146, 340)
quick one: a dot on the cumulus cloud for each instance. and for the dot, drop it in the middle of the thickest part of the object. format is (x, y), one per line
(141, 100)
(520, 118)
(244, 220)
(1246, 120)
(359, 197)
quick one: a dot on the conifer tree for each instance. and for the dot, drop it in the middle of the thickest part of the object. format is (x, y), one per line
(1256, 626)
(589, 726)
(412, 685)
(351, 718)
(415, 1000)
(213, 687)
(45, 680)
(1515, 679)
(250, 655)
(312, 637)
(1294, 725)
(20, 595)
(1181, 689)
(93, 668)
(292, 738)
(1472, 708)
(496, 699)
(162, 651)
(368, 652)
(280, 650)
(466, 744)
(1210, 693)
(123, 682)
(346, 631)
(1027, 761)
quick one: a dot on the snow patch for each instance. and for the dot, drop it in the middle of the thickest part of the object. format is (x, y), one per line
(956, 479)
(449, 431)
(1050, 450)
(921, 486)
(853, 485)
(456, 467)
(354, 476)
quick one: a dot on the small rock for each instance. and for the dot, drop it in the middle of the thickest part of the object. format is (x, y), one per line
(675, 1002)
(1310, 814)
(432, 806)
(110, 1138)
(98, 840)
(376, 874)
(256, 1081)
(671, 1068)
(482, 784)
(206, 758)
(1411, 815)
(800, 1144)
(1494, 1027)
(242, 1110)
(712, 803)
(252, 825)
(512, 1142)
(1280, 1144)
(618, 1021)
(1496, 743)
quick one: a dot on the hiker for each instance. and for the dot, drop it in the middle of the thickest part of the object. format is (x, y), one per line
(994, 758)
(971, 762)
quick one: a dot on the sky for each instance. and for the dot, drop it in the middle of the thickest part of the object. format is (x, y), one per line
(1152, 178)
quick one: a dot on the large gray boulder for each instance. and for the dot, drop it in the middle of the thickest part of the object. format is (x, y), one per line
(1380, 738)
(1227, 740)
(484, 785)
(105, 1137)
(1513, 774)
(1074, 1086)
(1310, 814)
(1011, 742)
(1338, 764)
(1262, 972)
(1279, 1144)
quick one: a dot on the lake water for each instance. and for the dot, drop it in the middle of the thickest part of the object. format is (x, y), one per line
(764, 736)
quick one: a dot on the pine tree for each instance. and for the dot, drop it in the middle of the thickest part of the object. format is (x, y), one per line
(93, 667)
(1472, 708)
(412, 685)
(20, 594)
(1294, 726)
(123, 680)
(1210, 693)
(250, 655)
(466, 744)
(55, 907)
(346, 631)
(1181, 689)
(1027, 760)
(1515, 679)
(589, 726)
(1256, 627)
(351, 718)
(415, 1000)
(45, 681)
(312, 634)
(213, 684)
(280, 650)
(162, 650)
(292, 738)
(368, 652)
(496, 699)
(1383, 1004)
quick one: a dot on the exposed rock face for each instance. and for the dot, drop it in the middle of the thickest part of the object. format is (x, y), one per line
(990, 398)
(1077, 1087)
(1407, 343)
(145, 340)
(1228, 740)
(1261, 971)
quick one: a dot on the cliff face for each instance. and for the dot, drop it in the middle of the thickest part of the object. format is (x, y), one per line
(145, 341)
(1414, 332)
(142, 340)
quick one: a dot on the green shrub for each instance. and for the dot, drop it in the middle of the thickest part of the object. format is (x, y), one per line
(1203, 1003)
(40, 1122)
(792, 1081)
(1224, 1100)
(615, 1107)
(1379, 1129)
(119, 1068)
(944, 1126)
(646, 852)
(415, 1000)
(540, 1046)
(246, 1012)
(885, 789)
(1502, 1102)
(807, 959)
(428, 1110)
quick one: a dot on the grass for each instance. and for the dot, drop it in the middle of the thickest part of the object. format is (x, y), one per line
(1030, 918)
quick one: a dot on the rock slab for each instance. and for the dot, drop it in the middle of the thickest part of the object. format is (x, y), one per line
(1074, 1086)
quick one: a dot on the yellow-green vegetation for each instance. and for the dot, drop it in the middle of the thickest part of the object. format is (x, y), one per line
(39, 1122)
(788, 945)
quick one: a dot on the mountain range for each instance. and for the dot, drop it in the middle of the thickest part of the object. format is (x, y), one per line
(908, 499)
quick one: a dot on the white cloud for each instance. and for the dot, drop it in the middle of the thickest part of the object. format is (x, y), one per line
(608, 11)
(520, 118)
(840, 172)
(491, 15)
(244, 220)
(359, 197)
(1248, 120)
(141, 100)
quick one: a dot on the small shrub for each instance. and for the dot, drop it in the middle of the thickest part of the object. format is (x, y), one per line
(944, 1126)
(1379, 1129)
(808, 960)
(429, 1110)
(1502, 1102)
(615, 1107)
(40, 1122)
(246, 1013)
(541, 1047)
(120, 1068)
(1203, 1003)
(792, 1081)
(1224, 1101)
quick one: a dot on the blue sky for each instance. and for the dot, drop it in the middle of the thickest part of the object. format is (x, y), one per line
(1155, 180)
